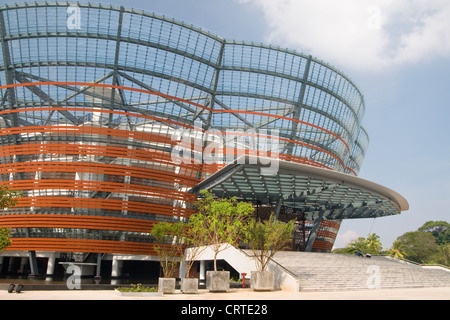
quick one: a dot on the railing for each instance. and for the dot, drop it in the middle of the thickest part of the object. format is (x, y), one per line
(295, 276)
(416, 263)
(436, 265)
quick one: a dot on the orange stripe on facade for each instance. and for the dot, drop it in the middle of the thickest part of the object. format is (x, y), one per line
(327, 234)
(82, 245)
(116, 205)
(122, 133)
(137, 135)
(145, 155)
(322, 245)
(77, 130)
(98, 168)
(96, 150)
(330, 223)
(76, 222)
(108, 186)
(174, 98)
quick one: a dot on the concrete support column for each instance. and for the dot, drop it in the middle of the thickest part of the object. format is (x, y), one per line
(23, 264)
(277, 209)
(98, 268)
(182, 272)
(1, 263)
(202, 270)
(11, 264)
(313, 233)
(116, 267)
(51, 265)
(33, 264)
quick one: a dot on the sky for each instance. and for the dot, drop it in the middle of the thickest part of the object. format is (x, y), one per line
(398, 54)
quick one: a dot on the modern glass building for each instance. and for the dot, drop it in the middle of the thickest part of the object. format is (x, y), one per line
(113, 119)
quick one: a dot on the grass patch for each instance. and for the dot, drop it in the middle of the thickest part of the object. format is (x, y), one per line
(137, 288)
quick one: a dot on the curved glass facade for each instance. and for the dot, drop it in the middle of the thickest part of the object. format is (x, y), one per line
(92, 96)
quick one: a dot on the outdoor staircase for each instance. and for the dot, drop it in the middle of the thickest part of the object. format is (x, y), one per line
(304, 271)
(333, 272)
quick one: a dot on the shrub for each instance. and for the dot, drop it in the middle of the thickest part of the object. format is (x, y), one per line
(137, 288)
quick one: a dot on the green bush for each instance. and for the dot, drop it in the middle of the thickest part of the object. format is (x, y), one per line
(137, 288)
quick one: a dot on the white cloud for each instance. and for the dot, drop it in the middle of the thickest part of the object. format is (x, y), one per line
(360, 34)
(343, 239)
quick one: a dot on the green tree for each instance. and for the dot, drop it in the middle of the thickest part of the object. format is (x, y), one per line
(225, 221)
(419, 246)
(355, 245)
(174, 239)
(195, 240)
(397, 250)
(373, 243)
(8, 198)
(267, 238)
(439, 229)
(435, 226)
(4, 238)
(442, 256)
(169, 237)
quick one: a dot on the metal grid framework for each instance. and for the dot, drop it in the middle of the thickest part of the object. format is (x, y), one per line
(317, 199)
(90, 95)
(296, 186)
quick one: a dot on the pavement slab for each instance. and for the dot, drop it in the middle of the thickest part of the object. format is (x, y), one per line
(434, 293)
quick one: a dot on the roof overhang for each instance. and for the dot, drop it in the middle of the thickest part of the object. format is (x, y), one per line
(313, 190)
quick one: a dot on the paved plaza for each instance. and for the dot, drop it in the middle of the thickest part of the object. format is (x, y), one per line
(439, 293)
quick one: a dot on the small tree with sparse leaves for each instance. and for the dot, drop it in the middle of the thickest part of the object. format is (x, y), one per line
(169, 238)
(4, 238)
(267, 238)
(195, 240)
(225, 222)
(8, 198)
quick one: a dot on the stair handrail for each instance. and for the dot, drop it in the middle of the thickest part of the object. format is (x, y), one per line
(414, 262)
(272, 260)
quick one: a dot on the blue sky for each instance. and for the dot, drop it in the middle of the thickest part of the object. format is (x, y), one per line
(397, 52)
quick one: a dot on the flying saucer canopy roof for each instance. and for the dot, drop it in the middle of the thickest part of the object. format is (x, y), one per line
(315, 191)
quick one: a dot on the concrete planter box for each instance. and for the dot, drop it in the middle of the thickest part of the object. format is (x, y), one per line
(138, 294)
(262, 280)
(218, 281)
(166, 285)
(189, 285)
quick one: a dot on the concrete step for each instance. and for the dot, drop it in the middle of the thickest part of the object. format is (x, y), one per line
(332, 272)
